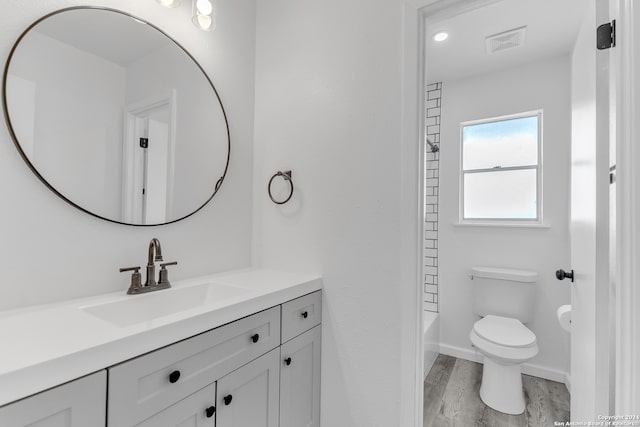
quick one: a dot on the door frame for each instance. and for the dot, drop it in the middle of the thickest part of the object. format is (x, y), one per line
(626, 63)
(130, 156)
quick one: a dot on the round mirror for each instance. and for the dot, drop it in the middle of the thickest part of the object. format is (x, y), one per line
(115, 117)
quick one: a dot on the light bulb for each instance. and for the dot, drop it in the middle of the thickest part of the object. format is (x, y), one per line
(204, 7)
(169, 3)
(441, 36)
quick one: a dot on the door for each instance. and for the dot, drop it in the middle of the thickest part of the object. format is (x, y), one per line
(249, 395)
(197, 410)
(590, 382)
(79, 403)
(300, 380)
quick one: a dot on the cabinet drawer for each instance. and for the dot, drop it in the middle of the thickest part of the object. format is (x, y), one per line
(301, 314)
(148, 384)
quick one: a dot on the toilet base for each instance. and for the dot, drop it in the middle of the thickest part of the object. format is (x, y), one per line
(501, 387)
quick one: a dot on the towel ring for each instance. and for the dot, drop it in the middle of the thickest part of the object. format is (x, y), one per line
(287, 177)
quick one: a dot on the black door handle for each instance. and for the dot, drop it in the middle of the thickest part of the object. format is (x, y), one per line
(287, 361)
(255, 337)
(227, 399)
(561, 275)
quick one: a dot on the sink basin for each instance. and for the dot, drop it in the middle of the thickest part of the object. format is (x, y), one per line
(155, 305)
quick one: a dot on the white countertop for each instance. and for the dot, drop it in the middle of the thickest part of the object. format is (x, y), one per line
(44, 346)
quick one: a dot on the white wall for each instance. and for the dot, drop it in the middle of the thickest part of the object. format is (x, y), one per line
(50, 251)
(329, 107)
(542, 85)
(83, 141)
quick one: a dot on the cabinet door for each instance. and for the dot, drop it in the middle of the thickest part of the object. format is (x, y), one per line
(248, 397)
(79, 403)
(300, 380)
(197, 410)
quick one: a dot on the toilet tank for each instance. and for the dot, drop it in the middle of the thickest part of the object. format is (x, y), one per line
(504, 292)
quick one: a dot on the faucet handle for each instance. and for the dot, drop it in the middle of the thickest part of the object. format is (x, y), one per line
(163, 265)
(136, 279)
(164, 274)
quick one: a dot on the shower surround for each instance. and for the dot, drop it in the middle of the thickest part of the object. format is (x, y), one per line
(432, 165)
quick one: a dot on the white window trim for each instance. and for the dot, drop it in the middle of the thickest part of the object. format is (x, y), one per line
(501, 222)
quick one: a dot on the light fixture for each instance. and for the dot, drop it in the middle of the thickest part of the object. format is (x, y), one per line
(440, 36)
(203, 12)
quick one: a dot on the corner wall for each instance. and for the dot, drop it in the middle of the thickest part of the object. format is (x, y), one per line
(542, 85)
(51, 251)
(329, 107)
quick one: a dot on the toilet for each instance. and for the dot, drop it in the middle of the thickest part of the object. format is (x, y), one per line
(504, 299)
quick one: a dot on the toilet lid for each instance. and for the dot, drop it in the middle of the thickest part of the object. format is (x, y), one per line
(504, 331)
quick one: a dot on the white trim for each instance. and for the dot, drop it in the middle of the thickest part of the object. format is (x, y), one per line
(130, 156)
(527, 368)
(567, 381)
(538, 168)
(500, 224)
(627, 64)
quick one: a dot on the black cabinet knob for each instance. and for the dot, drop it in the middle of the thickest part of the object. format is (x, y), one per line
(305, 314)
(287, 361)
(210, 411)
(255, 337)
(174, 376)
(227, 399)
(561, 275)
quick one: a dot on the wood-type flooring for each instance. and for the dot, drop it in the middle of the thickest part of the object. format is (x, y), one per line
(452, 399)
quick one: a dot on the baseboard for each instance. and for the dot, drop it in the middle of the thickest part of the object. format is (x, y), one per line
(527, 368)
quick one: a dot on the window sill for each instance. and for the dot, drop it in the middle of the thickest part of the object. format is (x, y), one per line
(502, 225)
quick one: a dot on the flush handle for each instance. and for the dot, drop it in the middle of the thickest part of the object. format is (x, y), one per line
(561, 275)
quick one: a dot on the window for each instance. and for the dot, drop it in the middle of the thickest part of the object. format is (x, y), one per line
(501, 175)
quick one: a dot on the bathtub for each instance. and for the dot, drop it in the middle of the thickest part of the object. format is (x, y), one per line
(431, 333)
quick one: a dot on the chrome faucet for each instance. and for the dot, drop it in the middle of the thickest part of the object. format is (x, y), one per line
(155, 254)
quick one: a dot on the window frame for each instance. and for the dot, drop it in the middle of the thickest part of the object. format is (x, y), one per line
(538, 168)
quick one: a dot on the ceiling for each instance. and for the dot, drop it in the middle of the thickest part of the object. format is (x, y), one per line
(113, 36)
(551, 30)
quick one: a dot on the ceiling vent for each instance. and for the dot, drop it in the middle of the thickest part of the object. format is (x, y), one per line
(505, 40)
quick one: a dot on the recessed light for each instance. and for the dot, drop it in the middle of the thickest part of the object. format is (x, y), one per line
(441, 36)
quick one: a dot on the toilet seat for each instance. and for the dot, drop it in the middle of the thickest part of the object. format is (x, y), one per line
(504, 331)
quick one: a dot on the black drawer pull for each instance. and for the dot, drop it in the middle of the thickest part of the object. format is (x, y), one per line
(287, 361)
(210, 411)
(227, 399)
(255, 337)
(305, 314)
(174, 376)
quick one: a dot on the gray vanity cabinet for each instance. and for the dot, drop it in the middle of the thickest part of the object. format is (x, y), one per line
(146, 385)
(300, 368)
(262, 370)
(249, 396)
(300, 380)
(196, 410)
(79, 403)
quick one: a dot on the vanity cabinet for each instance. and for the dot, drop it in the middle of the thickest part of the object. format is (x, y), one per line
(300, 380)
(197, 410)
(79, 403)
(144, 386)
(249, 396)
(262, 370)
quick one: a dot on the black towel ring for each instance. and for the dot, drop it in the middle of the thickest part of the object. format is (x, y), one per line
(287, 177)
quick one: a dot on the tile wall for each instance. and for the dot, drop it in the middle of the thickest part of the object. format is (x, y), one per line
(432, 164)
